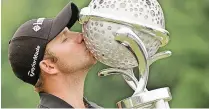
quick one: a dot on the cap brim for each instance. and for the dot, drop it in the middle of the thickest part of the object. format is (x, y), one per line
(66, 18)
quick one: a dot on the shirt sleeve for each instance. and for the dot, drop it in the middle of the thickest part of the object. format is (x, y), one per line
(94, 105)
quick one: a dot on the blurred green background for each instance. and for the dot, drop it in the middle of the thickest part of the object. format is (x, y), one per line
(186, 72)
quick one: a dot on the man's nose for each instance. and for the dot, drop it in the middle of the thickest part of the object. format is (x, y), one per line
(79, 38)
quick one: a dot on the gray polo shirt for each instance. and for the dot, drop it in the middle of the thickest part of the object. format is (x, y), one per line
(51, 101)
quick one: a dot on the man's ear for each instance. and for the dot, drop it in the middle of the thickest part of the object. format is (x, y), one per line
(48, 66)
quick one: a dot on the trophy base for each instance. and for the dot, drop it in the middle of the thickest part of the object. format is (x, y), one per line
(157, 98)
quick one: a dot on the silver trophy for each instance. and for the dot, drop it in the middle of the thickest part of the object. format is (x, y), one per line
(126, 34)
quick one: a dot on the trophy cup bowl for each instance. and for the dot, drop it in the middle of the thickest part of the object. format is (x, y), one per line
(100, 33)
(126, 34)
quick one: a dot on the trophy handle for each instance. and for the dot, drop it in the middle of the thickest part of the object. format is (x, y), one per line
(129, 39)
(128, 75)
(158, 56)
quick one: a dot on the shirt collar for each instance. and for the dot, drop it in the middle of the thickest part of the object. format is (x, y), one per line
(51, 101)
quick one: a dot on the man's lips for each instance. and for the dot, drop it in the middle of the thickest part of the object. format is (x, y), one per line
(84, 45)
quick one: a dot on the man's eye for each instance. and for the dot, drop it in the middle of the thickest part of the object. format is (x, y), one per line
(65, 40)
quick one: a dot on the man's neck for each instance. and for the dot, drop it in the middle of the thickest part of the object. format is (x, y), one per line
(69, 87)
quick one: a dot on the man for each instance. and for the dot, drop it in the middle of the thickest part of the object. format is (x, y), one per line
(46, 54)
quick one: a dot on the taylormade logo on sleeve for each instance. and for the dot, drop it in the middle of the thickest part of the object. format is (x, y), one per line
(33, 65)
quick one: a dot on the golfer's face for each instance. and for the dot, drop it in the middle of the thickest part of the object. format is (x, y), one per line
(70, 49)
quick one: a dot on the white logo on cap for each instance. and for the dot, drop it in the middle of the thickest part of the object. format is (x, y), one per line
(36, 26)
(33, 65)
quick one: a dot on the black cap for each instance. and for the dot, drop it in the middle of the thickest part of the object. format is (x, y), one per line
(27, 46)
